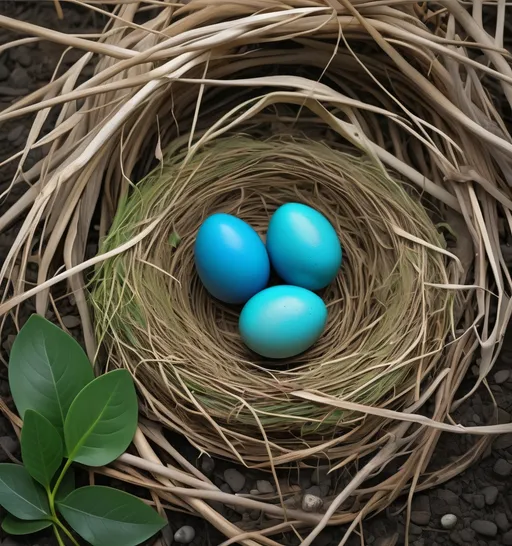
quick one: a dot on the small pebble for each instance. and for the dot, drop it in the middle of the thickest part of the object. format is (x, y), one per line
(467, 535)
(502, 522)
(71, 321)
(207, 465)
(254, 492)
(490, 494)
(14, 134)
(8, 444)
(504, 441)
(420, 517)
(265, 487)
(185, 534)
(24, 57)
(501, 376)
(484, 527)
(448, 496)
(448, 521)
(507, 539)
(478, 501)
(415, 529)
(234, 479)
(314, 490)
(502, 468)
(19, 78)
(311, 503)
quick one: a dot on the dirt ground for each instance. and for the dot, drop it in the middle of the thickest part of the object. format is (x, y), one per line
(480, 498)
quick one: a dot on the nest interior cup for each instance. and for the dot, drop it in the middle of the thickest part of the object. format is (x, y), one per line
(387, 319)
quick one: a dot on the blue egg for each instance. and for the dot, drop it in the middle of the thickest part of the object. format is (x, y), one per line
(231, 259)
(303, 246)
(282, 321)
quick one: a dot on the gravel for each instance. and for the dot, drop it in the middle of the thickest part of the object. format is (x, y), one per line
(507, 539)
(420, 517)
(501, 377)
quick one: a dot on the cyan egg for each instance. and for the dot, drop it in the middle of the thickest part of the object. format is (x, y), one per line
(303, 246)
(231, 259)
(282, 321)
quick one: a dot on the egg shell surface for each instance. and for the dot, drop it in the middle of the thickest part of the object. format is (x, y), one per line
(231, 259)
(282, 321)
(303, 246)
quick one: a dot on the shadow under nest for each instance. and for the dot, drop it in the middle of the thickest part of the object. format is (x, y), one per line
(362, 118)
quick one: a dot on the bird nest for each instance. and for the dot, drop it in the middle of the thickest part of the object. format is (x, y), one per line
(391, 119)
(390, 308)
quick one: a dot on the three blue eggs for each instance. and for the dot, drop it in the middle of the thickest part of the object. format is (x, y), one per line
(234, 266)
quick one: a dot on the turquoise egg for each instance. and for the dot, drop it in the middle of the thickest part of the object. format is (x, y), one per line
(303, 246)
(231, 259)
(282, 321)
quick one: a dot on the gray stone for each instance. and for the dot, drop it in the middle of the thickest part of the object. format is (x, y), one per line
(4, 72)
(478, 501)
(23, 57)
(265, 487)
(420, 517)
(315, 490)
(502, 521)
(448, 496)
(490, 494)
(414, 529)
(467, 535)
(234, 479)
(501, 376)
(185, 535)
(226, 489)
(506, 539)
(20, 78)
(207, 465)
(71, 321)
(7, 444)
(503, 441)
(484, 527)
(502, 468)
(311, 503)
(15, 134)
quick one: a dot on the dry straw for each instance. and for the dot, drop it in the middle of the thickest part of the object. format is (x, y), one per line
(420, 92)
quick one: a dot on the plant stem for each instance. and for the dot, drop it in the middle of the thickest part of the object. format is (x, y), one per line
(51, 494)
(57, 522)
(57, 534)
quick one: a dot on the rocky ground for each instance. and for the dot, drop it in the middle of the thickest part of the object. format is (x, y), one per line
(474, 509)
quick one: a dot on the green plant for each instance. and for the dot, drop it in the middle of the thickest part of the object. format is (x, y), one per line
(69, 416)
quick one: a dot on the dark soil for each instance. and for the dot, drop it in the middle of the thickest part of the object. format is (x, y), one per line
(480, 498)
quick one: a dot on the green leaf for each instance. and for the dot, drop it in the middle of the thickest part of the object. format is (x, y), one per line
(47, 369)
(108, 517)
(102, 420)
(21, 495)
(41, 447)
(67, 485)
(15, 526)
(174, 239)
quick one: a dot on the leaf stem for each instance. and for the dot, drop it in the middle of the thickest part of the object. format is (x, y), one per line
(57, 535)
(51, 494)
(57, 522)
